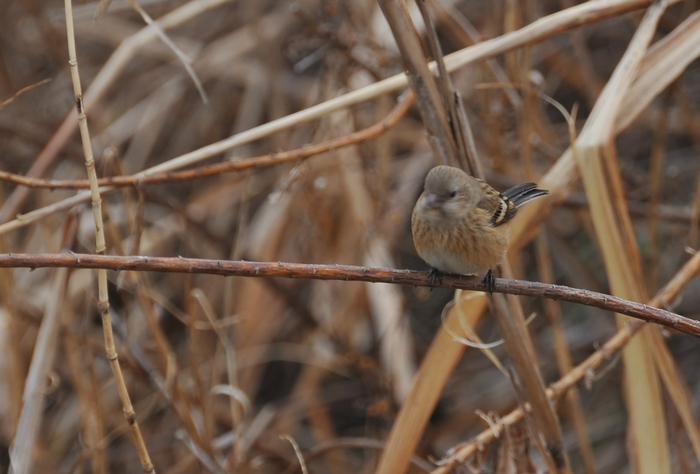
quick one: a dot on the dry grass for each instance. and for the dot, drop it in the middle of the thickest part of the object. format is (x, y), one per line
(269, 375)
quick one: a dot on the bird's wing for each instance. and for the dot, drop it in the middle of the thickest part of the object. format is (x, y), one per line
(499, 208)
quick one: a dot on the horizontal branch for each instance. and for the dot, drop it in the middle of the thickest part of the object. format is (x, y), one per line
(351, 273)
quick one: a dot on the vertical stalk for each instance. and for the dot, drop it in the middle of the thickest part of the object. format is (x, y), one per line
(100, 246)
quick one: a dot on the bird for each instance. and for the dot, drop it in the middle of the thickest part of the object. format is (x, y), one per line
(460, 223)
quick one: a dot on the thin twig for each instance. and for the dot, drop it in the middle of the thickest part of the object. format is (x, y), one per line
(537, 31)
(23, 90)
(352, 273)
(265, 161)
(356, 443)
(556, 390)
(100, 248)
(297, 451)
(422, 82)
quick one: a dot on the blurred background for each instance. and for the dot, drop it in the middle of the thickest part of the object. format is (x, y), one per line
(239, 362)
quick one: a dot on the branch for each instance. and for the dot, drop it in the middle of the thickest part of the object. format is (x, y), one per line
(351, 273)
(265, 161)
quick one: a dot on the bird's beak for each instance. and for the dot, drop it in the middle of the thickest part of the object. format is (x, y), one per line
(432, 201)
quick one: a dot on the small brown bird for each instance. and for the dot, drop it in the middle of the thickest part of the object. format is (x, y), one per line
(459, 222)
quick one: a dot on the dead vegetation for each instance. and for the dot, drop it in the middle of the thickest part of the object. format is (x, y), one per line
(297, 148)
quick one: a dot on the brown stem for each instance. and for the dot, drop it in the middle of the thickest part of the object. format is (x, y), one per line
(352, 273)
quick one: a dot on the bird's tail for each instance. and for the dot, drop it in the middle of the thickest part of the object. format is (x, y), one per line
(524, 193)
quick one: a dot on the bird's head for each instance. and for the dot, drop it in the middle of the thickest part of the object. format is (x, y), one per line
(448, 192)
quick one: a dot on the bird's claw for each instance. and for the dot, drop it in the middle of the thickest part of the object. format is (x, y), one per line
(434, 274)
(490, 281)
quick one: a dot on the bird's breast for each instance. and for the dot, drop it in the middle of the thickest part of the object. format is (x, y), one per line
(464, 245)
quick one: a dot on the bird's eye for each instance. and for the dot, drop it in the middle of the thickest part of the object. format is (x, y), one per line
(453, 194)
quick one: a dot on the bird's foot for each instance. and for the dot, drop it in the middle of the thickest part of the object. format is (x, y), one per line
(433, 275)
(490, 281)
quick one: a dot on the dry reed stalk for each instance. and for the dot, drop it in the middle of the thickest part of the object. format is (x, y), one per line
(666, 60)
(386, 303)
(87, 393)
(448, 141)
(120, 59)
(326, 372)
(433, 372)
(240, 164)
(572, 400)
(597, 162)
(536, 32)
(100, 249)
(24, 444)
(561, 176)
(552, 311)
(615, 344)
(425, 87)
